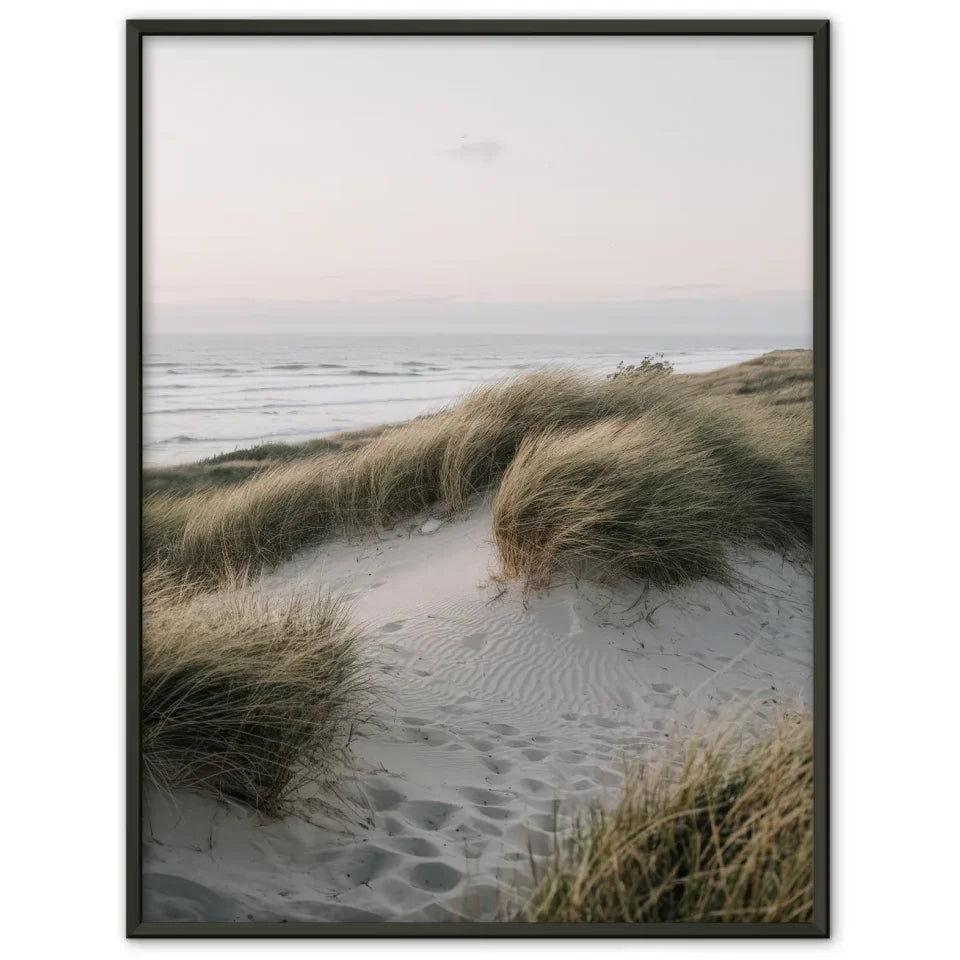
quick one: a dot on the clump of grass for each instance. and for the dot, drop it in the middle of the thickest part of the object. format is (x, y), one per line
(661, 497)
(247, 699)
(624, 498)
(487, 428)
(730, 840)
(212, 537)
(765, 463)
(218, 536)
(447, 458)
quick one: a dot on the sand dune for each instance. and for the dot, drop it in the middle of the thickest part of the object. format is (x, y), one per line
(502, 718)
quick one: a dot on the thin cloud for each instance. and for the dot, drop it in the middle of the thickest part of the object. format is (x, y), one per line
(780, 294)
(686, 287)
(478, 151)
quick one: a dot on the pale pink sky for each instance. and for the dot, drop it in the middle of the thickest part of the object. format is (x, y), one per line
(384, 172)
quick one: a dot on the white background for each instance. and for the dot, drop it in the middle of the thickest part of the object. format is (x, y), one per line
(895, 370)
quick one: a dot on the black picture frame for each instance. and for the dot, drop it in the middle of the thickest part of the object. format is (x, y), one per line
(819, 31)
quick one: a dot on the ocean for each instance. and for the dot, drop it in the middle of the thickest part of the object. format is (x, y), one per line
(204, 395)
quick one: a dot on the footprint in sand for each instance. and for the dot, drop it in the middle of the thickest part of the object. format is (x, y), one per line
(485, 797)
(468, 833)
(495, 765)
(536, 787)
(535, 755)
(366, 865)
(393, 827)
(416, 847)
(604, 778)
(436, 877)
(428, 735)
(429, 814)
(393, 626)
(490, 829)
(384, 798)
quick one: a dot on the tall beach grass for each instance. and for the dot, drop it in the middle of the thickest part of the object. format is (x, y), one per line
(244, 698)
(730, 840)
(663, 496)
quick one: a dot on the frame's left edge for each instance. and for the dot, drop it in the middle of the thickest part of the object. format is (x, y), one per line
(821, 531)
(133, 466)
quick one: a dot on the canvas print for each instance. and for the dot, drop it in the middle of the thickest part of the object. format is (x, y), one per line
(478, 480)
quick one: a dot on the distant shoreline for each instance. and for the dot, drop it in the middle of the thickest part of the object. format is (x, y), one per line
(205, 397)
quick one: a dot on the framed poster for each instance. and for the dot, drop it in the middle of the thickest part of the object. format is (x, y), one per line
(478, 517)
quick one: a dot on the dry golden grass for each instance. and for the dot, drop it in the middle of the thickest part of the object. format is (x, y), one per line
(229, 469)
(778, 378)
(246, 699)
(730, 840)
(297, 500)
(662, 496)
(621, 498)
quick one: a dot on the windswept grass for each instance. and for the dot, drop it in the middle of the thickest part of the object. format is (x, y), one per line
(246, 699)
(296, 500)
(229, 469)
(779, 378)
(662, 496)
(624, 498)
(730, 841)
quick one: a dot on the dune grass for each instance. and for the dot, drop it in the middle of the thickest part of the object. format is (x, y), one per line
(287, 503)
(730, 840)
(661, 497)
(229, 469)
(780, 378)
(247, 699)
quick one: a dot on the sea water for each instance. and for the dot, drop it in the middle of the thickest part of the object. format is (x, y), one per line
(210, 394)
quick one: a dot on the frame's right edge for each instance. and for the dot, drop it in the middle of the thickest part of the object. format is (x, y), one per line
(821, 522)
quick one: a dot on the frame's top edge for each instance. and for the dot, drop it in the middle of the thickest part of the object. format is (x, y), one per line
(332, 26)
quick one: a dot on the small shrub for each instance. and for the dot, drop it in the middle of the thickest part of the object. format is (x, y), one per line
(651, 363)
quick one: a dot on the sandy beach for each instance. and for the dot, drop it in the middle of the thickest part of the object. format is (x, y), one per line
(503, 715)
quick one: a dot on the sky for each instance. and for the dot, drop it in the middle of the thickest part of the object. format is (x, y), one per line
(474, 185)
